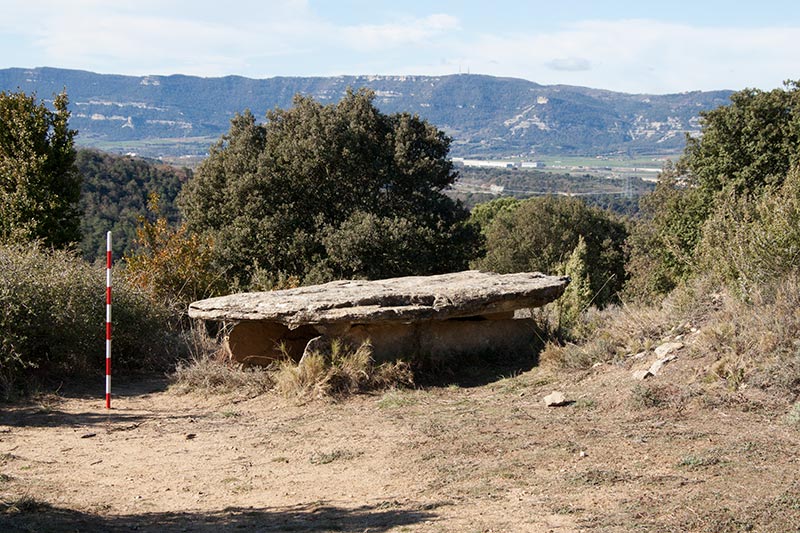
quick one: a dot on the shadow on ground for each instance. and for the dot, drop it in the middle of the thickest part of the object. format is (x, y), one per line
(476, 371)
(41, 416)
(37, 516)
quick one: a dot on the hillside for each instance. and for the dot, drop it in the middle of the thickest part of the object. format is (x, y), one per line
(486, 116)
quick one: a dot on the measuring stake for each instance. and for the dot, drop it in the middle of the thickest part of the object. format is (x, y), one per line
(108, 320)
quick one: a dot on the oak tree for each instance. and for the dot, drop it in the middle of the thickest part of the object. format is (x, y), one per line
(39, 183)
(330, 191)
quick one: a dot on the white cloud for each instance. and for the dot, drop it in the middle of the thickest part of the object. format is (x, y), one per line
(570, 64)
(406, 32)
(288, 37)
(642, 56)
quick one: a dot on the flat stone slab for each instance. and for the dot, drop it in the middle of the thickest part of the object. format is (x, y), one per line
(404, 300)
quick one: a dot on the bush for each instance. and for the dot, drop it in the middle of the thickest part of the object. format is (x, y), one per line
(172, 265)
(662, 243)
(541, 234)
(748, 243)
(52, 319)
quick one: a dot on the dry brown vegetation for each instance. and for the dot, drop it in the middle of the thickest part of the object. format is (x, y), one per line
(709, 444)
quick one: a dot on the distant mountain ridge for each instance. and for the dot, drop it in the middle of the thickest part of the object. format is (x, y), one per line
(486, 116)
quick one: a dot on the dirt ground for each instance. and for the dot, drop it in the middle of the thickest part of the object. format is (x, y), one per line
(481, 453)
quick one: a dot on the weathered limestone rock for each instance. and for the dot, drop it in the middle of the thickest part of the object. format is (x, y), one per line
(658, 364)
(556, 399)
(436, 316)
(667, 348)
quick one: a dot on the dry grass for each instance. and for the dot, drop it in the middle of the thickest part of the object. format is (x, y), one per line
(611, 335)
(208, 371)
(752, 342)
(337, 371)
(755, 341)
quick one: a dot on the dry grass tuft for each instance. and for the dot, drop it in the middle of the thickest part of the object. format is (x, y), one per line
(208, 371)
(338, 370)
(24, 504)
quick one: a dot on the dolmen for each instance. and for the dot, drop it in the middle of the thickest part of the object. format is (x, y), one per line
(436, 317)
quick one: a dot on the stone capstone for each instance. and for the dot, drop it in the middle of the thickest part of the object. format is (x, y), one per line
(435, 316)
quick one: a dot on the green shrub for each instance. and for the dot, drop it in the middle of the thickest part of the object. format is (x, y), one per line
(662, 243)
(540, 234)
(750, 242)
(52, 318)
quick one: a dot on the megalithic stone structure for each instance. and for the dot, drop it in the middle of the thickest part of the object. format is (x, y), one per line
(439, 317)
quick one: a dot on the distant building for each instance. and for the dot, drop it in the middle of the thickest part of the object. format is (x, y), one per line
(484, 163)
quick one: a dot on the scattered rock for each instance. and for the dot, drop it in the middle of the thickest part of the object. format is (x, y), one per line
(556, 399)
(641, 375)
(667, 348)
(190, 436)
(640, 355)
(657, 365)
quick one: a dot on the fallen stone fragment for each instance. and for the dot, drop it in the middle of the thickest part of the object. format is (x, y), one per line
(641, 375)
(657, 365)
(667, 348)
(435, 316)
(556, 399)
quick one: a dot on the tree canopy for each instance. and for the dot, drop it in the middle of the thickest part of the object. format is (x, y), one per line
(746, 148)
(751, 143)
(540, 234)
(330, 191)
(114, 197)
(39, 183)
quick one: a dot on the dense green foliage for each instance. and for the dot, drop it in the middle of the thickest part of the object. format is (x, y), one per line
(484, 214)
(749, 242)
(747, 148)
(52, 318)
(39, 184)
(749, 144)
(114, 196)
(541, 234)
(306, 192)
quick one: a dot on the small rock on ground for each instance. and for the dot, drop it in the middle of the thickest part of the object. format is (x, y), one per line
(667, 348)
(556, 399)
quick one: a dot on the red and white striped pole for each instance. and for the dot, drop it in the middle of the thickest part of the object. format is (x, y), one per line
(108, 320)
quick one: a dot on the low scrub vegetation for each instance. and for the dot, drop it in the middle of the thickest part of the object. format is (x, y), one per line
(52, 319)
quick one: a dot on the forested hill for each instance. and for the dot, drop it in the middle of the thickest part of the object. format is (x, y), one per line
(486, 116)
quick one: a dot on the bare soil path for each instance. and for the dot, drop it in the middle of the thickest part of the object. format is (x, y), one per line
(670, 454)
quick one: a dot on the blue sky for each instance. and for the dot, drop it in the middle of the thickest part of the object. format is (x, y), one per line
(631, 46)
